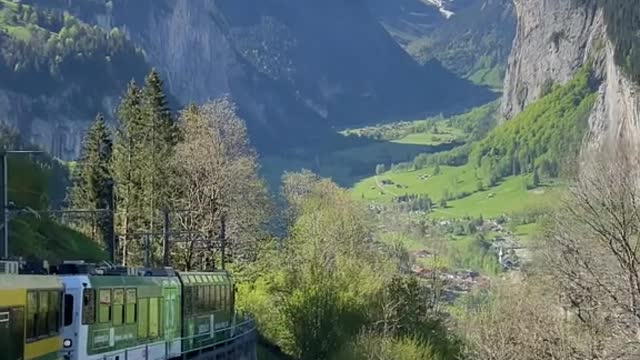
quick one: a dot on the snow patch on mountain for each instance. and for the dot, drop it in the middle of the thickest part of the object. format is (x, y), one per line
(442, 6)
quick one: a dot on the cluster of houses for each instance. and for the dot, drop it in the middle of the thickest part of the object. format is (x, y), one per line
(453, 284)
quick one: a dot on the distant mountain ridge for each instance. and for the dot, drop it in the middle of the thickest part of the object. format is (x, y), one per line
(294, 68)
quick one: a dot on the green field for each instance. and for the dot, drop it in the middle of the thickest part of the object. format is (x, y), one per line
(451, 179)
(508, 197)
(445, 134)
(527, 232)
(432, 131)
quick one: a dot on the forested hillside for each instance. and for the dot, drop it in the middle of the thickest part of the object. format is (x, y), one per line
(474, 42)
(58, 72)
(292, 67)
(44, 52)
(545, 135)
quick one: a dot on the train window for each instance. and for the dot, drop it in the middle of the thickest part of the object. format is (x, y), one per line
(143, 318)
(154, 318)
(68, 309)
(118, 306)
(216, 289)
(202, 305)
(43, 309)
(132, 299)
(207, 298)
(188, 304)
(54, 312)
(104, 311)
(32, 315)
(88, 306)
(212, 297)
(160, 315)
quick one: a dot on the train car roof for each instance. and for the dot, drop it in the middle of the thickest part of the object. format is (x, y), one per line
(15, 281)
(214, 277)
(111, 281)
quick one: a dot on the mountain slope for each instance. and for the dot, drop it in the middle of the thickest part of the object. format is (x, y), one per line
(555, 39)
(293, 67)
(471, 38)
(57, 72)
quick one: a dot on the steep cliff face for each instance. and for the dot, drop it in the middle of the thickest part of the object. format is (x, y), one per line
(50, 121)
(555, 38)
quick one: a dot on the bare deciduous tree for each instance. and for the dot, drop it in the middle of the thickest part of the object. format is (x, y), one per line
(218, 184)
(593, 251)
(521, 321)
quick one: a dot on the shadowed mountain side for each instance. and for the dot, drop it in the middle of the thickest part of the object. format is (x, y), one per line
(295, 68)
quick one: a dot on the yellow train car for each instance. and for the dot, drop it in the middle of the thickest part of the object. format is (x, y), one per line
(30, 317)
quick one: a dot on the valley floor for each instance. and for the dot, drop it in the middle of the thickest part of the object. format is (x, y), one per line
(474, 221)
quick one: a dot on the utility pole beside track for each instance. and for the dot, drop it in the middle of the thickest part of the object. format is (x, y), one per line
(4, 194)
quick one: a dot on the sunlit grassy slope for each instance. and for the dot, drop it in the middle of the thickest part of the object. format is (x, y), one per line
(509, 196)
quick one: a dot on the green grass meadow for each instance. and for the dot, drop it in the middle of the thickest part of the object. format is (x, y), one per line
(509, 196)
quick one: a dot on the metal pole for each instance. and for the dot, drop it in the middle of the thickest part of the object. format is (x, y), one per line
(146, 250)
(165, 238)
(109, 228)
(5, 209)
(223, 239)
(4, 243)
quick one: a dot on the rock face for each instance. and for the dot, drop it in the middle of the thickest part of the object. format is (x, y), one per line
(555, 38)
(50, 121)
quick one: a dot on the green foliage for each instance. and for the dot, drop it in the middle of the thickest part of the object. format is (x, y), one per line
(472, 252)
(414, 202)
(159, 141)
(373, 346)
(547, 133)
(41, 237)
(314, 315)
(145, 142)
(407, 326)
(93, 181)
(314, 292)
(127, 160)
(43, 52)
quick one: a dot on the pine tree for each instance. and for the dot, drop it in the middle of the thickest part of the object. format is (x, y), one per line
(161, 138)
(127, 160)
(93, 181)
(145, 143)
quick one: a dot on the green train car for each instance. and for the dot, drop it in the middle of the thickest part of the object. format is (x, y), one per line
(207, 309)
(144, 314)
(30, 317)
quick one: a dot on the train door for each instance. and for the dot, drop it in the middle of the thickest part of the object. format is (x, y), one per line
(12, 332)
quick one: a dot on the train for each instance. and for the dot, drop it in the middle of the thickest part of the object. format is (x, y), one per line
(83, 311)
